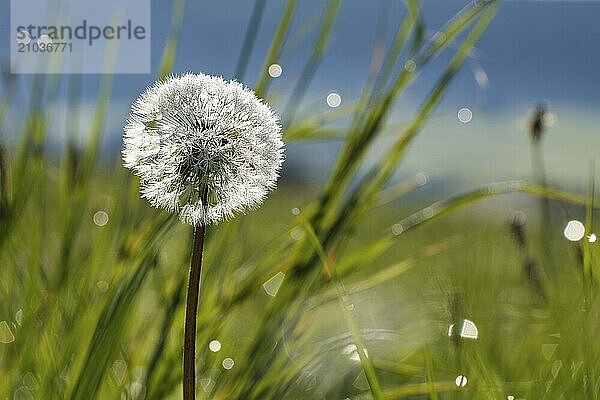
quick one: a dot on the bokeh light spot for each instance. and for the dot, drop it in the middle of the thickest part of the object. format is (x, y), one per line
(272, 286)
(100, 218)
(214, 346)
(23, 37)
(334, 99)
(275, 70)
(465, 115)
(574, 231)
(44, 40)
(461, 381)
(6, 335)
(410, 66)
(228, 363)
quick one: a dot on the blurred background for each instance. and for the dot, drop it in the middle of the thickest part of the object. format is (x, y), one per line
(532, 51)
(432, 235)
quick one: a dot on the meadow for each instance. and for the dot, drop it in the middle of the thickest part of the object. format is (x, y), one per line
(353, 289)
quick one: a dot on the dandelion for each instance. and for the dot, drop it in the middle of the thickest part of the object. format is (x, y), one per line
(203, 146)
(207, 149)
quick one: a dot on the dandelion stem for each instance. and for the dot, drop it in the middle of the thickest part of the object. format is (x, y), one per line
(191, 312)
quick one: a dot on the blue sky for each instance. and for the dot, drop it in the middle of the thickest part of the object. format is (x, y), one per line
(532, 50)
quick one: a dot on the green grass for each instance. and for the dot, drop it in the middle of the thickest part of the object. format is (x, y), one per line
(370, 288)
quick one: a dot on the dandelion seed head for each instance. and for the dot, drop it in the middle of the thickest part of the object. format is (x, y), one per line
(195, 137)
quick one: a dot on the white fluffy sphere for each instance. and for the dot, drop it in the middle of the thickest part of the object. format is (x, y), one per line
(202, 146)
